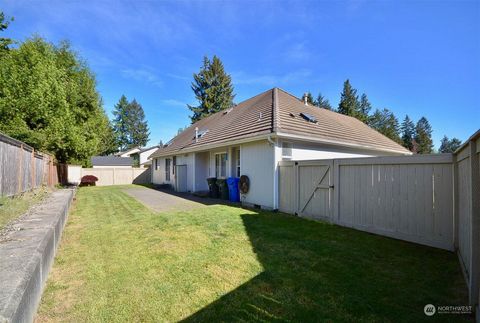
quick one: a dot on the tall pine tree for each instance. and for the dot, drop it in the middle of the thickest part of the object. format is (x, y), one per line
(385, 122)
(408, 133)
(322, 102)
(423, 136)
(449, 145)
(129, 124)
(348, 100)
(213, 89)
(364, 108)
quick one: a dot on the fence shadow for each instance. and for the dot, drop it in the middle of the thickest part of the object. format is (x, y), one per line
(315, 271)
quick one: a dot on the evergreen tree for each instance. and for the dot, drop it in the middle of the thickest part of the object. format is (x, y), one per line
(449, 145)
(322, 102)
(308, 95)
(130, 126)
(385, 122)
(213, 89)
(423, 136)
(120, 123)
(408, 133)
(363, 109)
(349, 100)
(137, 125)
(160, 143)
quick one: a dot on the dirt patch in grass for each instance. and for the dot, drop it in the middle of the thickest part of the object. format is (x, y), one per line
(12, 208)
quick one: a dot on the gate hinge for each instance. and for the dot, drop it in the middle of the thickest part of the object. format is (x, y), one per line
(331, 186)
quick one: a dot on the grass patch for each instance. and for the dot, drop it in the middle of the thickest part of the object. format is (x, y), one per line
(119, 261)
(13, 207)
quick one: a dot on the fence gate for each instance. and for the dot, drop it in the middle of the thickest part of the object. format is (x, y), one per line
(306, 188)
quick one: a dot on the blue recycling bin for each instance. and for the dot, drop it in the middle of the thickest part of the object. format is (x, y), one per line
(233, 191)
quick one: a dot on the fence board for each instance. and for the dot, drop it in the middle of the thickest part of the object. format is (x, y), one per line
(21, 168)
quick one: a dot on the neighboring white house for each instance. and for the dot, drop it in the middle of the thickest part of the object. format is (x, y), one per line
(252, 137)
(111, 162)
(140, 155)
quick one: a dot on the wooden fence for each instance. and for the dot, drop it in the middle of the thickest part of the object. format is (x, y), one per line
(467, 214)
(22, 168)
(110, 176)
(428, 199)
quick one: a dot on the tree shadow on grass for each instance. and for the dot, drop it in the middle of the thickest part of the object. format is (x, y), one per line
(315, 271)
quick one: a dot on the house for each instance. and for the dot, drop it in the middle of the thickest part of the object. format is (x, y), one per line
(140, 155)
(252, 137)
(112, 162)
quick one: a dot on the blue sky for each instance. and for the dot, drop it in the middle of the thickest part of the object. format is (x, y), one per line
(420, 58)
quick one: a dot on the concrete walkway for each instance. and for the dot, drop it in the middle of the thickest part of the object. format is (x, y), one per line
(165, 201)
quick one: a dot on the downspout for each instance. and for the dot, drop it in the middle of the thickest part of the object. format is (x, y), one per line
(269, 138)
(275, 175)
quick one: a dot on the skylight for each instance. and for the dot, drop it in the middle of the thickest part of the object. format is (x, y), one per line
(200, 133)
(308, 117)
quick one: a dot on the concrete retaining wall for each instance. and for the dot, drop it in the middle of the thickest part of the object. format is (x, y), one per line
(26, 256)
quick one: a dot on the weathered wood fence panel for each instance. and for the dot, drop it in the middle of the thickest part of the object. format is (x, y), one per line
(22, 168)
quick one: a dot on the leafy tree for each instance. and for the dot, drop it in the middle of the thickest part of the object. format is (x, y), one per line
(4, 22)
(349, 100)
(408, 133)
(322, 102)
(130, 126)
(308, 95)
(423, 136)
(364, 108)
(449, 145)
(385, 122)
(213, 89)
(48, 99)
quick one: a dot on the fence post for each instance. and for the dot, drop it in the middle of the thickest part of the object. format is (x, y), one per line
(336, 191)
(20, 167)
(32, 167)
(296, 187)
(475, 224)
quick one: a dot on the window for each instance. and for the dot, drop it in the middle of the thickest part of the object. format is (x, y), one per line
(167, 169)
(221, 165)
(156, 163)
(286, 150)
(237, 162)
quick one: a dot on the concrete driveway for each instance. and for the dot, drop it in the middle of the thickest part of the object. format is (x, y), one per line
(164, 201)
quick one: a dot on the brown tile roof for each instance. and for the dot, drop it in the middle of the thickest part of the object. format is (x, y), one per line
(271, 112)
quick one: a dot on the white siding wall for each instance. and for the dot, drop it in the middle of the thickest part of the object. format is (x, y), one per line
(305, 151)
(257, 162)
(202, 165)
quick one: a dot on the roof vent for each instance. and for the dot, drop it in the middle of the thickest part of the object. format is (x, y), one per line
(292, 115)
(305, 98)
(308, 117)
(259, 116)
(227, 110)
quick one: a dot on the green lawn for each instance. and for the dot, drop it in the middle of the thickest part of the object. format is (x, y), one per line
(120, 261)
(13, 207)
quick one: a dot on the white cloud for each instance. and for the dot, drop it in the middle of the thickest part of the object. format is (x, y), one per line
(142, 75)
